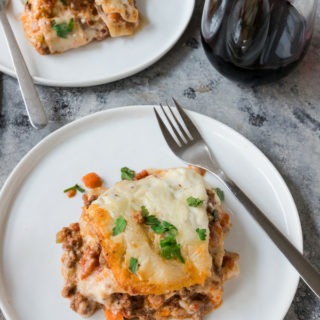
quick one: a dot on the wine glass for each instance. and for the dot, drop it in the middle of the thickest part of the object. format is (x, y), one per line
(257, 41)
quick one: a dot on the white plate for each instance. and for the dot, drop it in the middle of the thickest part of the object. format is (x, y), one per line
(108, 60)
(33, 208)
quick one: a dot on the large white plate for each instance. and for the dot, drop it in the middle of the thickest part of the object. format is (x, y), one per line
(33, 208)
(112, 59)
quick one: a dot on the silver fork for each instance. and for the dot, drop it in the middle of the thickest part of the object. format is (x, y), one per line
(35, 110)
(189, 146)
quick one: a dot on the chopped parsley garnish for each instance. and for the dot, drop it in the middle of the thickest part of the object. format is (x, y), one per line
(219, 193)
(170, 248)
(194, 202)
(215, 215)
(151, 221)
(144, 212)
(201, 233)
(133, 266)
(75, 187)
(163, 227)
(156, 225)
(120, 226)
(127, 174)
(63, 29)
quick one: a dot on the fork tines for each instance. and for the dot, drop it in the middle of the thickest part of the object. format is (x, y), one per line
(182, 130)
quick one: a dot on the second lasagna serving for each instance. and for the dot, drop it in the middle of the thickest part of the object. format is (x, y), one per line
(149, 248)
(55, 26)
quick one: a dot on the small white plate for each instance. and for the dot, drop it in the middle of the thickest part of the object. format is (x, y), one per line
(34, 207)
(108, 60)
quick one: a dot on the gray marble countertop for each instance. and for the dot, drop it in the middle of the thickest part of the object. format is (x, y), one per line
(281, 119)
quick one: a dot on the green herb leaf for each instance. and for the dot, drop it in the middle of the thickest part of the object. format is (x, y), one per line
(219, 193)
(64, 2)
(152, 220)
(158, 228)
(201, 233)
(144, 212)
(63, 29)
(194, 202)
(170, 248)
(215, 214)
(133, 266)
(168, 227)
(127, 174)
(75, 187)
(161, 227)
(168, 241)
(120, 226)
(156, 225)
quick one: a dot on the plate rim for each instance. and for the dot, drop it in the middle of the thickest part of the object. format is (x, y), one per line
(82, 84)
(53, 137)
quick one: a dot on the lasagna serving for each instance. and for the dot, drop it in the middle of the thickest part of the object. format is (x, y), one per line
(150, 247)
(55, 26)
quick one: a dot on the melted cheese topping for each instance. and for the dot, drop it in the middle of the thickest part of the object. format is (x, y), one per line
(164, 194)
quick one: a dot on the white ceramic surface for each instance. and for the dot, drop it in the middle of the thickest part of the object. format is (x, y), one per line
(34, 207)
(105, 61)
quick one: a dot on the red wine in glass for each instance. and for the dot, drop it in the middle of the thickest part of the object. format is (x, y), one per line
(254, 41)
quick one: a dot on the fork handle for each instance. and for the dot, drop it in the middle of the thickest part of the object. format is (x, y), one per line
(35, 110)
(307, 272)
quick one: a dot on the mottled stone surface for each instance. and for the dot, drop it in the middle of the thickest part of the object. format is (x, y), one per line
(281, 119)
